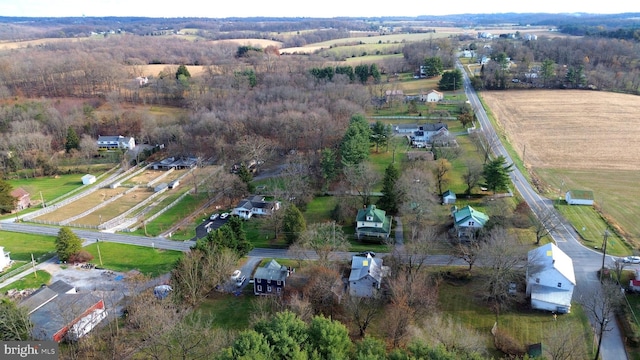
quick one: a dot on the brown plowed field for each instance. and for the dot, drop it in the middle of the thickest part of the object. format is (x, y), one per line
(570, 129)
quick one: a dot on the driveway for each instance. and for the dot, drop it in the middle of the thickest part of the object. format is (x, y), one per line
(208, 225)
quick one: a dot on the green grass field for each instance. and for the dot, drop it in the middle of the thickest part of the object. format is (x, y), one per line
(169, 218)
(22, 246)
(31, 281)
(228, 311)
(120, 257)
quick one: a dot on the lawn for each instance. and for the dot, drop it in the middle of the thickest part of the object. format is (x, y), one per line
(119, 257)
(590, 225)
(228, 311)
(22, 246)
(51, 187)
(524, 325)
(31, 281)
(169, 218)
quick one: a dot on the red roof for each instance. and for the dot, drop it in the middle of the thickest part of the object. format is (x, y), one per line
(19, 193)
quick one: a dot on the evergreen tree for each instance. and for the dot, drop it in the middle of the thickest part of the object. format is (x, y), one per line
(231, 236)
(287, 333)
(328, 339)
(496, 174)
(182, 70)
(380, 134)
(67, 244)
(433, 66)
(247, 177)
(328, 167)
(73, 141)
(249, 345)
(354, 148)
(391, 195)
(451, 80)
(7, 202)
(294, 223)
(15, 324)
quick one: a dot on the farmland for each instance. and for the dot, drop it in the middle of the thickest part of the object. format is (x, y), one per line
(576, 139)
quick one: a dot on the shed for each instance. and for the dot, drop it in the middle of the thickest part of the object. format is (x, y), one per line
(449, 197)
(88, 179)
(579, 197)
(160, 187)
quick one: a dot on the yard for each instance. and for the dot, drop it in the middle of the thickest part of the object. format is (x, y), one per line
(122, 258)
(578, 140)
(22, 246)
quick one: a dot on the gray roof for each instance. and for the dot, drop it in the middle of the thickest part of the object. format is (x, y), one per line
(60, 312)
(38, 298)
(361, 266)
(61, 287)
(272, 271)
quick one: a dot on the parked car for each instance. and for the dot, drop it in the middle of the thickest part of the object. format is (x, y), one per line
(631, 260)
(240, 281)
(213, 217)
(224, 216)
(368, 252)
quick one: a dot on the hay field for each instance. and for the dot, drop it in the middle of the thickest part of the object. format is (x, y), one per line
(578, 140)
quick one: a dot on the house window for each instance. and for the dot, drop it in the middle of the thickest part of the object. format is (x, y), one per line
(278, 290)
(268, 288)
(559, 284)
(278, 282)
(369, 218)
(537, 280)
(259, 288)
(269, 281)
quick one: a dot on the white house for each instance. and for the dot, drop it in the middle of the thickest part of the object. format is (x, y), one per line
(88, 179)
(116, 142)
(427, 132)
(550, 279)
(366, 275)
(256, 205)
(579, 197)
(467, 221)
(5, 260)
(434, 96)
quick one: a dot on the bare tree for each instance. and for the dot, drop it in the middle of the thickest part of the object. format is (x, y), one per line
(362, 178)
(600, 304)
(544, 222)
(485, 141)
(618, 268)
(448, 332)
(324, 239)
(441, 173)
(468, 253)
(362, 311)
(562, 342)
(500, 256)
(472, 175)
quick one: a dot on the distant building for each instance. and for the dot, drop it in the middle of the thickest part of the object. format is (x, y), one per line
(23, 198)
(116, 142)
(5, 259)
(449, 197)
(88, 179)
(579, 197)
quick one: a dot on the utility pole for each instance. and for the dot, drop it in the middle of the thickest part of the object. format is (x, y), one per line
(99, 255)
(42, 200)
(604, 252)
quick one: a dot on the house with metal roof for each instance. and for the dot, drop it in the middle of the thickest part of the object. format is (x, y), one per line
(550, 279)
(366, 275)
(373, 222)
(270, 279)
(59, 312)
(467, 221)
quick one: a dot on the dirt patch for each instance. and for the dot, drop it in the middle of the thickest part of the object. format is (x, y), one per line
(570, 129)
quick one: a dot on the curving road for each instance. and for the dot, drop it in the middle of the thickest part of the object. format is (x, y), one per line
(586, 262)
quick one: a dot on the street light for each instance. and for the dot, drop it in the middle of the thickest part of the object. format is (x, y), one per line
(604, 252)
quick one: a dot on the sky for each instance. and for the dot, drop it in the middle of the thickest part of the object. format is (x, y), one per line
(299, 8)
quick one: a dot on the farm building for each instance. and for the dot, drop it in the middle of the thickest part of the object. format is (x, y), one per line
(579, 197)
(550, 279)
(59, 312)
(23, 198)
(88, 179)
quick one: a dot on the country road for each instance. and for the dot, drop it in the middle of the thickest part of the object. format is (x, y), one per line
(586, 262)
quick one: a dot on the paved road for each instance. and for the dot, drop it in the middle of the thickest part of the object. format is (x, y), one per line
(586, 262)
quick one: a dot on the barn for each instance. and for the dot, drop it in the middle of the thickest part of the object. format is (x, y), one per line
(579, 197)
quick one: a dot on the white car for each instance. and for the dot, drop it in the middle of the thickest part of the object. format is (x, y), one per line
(631, 260)
(213, 217)
(240, 281)
(224, 216)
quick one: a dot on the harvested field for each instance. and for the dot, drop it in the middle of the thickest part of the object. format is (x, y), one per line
(116, 208)
(148, 175)
(579, 140)
(570, 129)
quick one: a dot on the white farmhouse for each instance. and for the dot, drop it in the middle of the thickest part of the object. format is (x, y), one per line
(116, 142)
(550, 279)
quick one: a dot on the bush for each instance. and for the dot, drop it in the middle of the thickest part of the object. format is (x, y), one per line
(630, 328)
(81, 257)
(507, 344)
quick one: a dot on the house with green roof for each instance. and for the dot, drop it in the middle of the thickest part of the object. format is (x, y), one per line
(467, 221)
(373, 222)
(579, 197)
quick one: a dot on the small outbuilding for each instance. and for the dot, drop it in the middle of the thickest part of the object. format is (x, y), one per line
(88, 179)
(449, 197)
(579, 197)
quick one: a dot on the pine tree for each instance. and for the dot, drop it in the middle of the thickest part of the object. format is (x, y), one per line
(67, 244)
(73, 141)
(7, 202)
(294, 223)
(496, 174)
(391, 195)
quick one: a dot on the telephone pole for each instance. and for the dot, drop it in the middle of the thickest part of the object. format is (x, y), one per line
(604, 252)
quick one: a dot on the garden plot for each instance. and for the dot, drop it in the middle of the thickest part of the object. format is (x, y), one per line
(155, 176)
(83, 204)
(117, 207)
